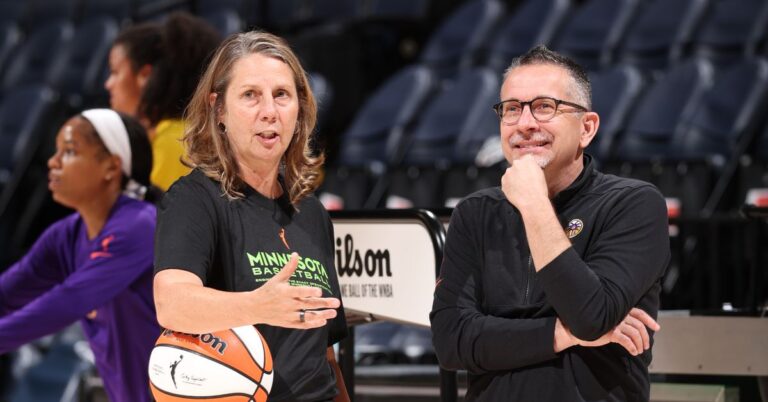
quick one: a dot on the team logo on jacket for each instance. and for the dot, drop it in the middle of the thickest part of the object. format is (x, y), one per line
(104, 248)
(574, 227)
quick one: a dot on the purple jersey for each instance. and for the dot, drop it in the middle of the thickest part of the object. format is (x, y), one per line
(105, 282)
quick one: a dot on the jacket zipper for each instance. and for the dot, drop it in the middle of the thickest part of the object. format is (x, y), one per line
(528, 279)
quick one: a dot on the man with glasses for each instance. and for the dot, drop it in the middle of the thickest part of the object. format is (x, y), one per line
(549, 283)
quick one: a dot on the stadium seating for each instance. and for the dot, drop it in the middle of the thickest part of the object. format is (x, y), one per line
(374, 140)
(454, 123)
(661, 32)
(40, 58)
(731, 30)
(614, 95)
(593, 31)
(531, 23)
(456, 43)
(82, 81)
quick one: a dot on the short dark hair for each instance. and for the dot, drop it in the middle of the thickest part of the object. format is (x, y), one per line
(542, 55)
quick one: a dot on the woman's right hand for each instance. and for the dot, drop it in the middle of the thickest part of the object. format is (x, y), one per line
(280, 304)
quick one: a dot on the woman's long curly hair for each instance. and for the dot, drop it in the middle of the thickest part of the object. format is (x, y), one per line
(207, 146)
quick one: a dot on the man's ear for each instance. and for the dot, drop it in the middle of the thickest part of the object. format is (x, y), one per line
(142, 76)
(589, 125)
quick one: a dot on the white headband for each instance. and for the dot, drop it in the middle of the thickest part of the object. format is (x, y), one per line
(110, 128)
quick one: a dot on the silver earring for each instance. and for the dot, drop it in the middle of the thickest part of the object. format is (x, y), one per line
(222, 127)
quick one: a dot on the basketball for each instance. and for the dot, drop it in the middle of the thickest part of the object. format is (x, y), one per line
(233, 365)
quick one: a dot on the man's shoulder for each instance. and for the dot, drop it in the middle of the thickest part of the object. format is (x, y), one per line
(609, 183)
(489, 194)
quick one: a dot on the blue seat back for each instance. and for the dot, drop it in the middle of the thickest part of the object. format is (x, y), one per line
(614, 95)
(86, 59)
(729, 113)
(23, 112)
(532, 23)
(661, 32)
(40, 59)
(457, 40)
(593, 31)
(654, 122)
(456, 111)
(732, 29)
(378, 128)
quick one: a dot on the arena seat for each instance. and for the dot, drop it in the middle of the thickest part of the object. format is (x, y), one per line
(375, 137)
(29, 119)
(732, 30)
(40, 13)
(323, 92)
(661, 32)
(455, 44)
(721, 129)
(394, 10)
(654, 123)
(81, 82)
(614, 94)
(12, 11)
(531, 23)
(593, 31)
(23, 114)
(10, 37)
(40, 58)
(457, 121)
(121, 10)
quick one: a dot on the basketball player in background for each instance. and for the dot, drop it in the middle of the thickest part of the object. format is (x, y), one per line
(241, 240)
(96, 264)
(153, 71)
(550, 282)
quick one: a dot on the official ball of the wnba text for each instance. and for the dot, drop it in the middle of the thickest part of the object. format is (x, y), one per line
(233, 365)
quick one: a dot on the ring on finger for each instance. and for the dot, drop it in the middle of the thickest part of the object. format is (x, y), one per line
(302, 315)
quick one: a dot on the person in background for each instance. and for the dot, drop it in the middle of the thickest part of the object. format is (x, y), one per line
(241, 240)
(154, 68)
(95, 265)
(550, 283)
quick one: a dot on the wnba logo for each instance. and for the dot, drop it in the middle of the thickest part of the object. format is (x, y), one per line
(233, 365)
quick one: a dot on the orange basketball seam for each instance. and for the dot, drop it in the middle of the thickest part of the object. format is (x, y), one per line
(265, 353)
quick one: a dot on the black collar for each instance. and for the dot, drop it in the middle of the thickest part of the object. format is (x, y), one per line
(585, 177)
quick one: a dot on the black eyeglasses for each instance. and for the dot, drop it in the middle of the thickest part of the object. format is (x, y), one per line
(543, 109)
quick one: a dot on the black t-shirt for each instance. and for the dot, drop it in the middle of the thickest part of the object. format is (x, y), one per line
(237, 245)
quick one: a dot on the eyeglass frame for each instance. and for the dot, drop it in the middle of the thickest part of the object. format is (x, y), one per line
(497, 108)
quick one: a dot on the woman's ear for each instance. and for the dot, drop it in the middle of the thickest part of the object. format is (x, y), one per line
(142, 76)
(212, 99)
(113, 168)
